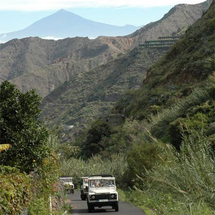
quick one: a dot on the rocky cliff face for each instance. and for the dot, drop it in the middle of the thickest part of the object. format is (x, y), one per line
(91, 94)
(187, 66)
(178, 18)
(46, 64)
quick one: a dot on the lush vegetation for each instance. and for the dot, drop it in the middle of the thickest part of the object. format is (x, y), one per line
(20, 127)
(90, 94)
(160, 145)
(15, 190)
(29, 166)
(167, 139)
(78, 168)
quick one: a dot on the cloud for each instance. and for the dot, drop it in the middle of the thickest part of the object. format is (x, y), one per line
(51, 38)
(36, 5)
(3, 36)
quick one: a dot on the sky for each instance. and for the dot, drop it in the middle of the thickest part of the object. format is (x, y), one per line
(18, 14)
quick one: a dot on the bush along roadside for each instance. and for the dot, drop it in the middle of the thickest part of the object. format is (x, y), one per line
(29, 165)
(15, 190)
(183, 183)
(33, 192)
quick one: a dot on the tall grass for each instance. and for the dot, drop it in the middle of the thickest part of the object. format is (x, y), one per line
(161, 121)
(183, 183)
(189, 175)
(77, 168)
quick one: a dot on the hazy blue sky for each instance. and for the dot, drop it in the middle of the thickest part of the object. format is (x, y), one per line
(18, 14)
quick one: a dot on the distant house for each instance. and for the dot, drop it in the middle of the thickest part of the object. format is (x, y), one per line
(161, 42)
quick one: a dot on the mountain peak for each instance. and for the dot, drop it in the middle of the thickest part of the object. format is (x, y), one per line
(62, 11)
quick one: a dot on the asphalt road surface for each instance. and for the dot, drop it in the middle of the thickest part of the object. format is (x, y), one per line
(80, 207)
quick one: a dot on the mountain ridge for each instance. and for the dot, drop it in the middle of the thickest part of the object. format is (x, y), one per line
(175, 100)
(37, 63)
(63, 24)
(45, 64)
(186, 65)
(179, 17)
(66, 105)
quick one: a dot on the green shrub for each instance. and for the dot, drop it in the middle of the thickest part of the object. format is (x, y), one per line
(39, 207)
(77, 168)
(95, 139)
(141, 158)
(21, 128)
(15, 190)
(156, 203)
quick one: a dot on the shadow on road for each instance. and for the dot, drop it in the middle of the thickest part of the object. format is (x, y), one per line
(83, 211)
(80, 207)
(102, 210)
(79, 211)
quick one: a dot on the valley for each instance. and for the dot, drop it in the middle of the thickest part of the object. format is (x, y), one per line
(138, 107)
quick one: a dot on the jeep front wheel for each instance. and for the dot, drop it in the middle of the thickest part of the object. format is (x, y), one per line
(116, 207)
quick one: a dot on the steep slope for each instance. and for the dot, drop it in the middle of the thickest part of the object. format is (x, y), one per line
(46, 64)
(179, 17)
(90, 94)
(186, 65)
(63, 24)
(175, 103)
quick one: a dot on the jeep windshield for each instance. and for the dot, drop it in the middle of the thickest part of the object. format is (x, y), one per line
(66, 179)
(99, 183)
(85, 180)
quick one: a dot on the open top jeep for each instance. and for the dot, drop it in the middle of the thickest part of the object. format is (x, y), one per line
(102, 192)
(68, 184)
(84, 188)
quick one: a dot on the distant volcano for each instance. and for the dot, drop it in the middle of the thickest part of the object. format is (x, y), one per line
(63, 24)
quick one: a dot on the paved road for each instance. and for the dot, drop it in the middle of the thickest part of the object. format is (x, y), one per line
(80, 207)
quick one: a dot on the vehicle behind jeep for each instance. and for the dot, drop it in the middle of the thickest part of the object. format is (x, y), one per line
(68, 184)
(102, 192)
(84, 188)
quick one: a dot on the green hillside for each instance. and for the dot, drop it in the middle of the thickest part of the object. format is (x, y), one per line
(90, 94)
(185, 66)
(94, 90)
(175, 88)
(165, 130)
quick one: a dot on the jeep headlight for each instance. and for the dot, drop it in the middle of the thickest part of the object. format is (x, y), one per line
(113, 196)
(93, 197)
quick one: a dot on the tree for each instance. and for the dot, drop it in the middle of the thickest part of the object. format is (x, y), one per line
(96, 139)
(20, 127)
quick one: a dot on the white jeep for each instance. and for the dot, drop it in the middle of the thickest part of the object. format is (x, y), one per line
(102, 192)
(84, 188)
(68, 184)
